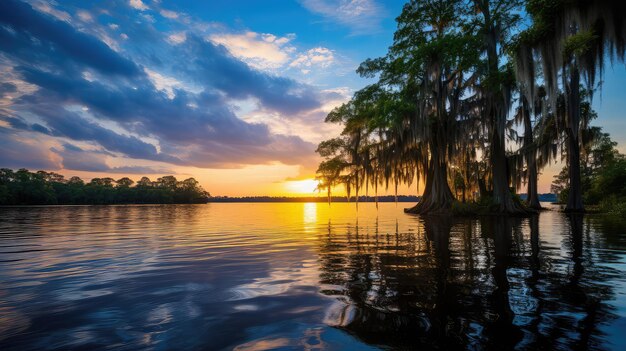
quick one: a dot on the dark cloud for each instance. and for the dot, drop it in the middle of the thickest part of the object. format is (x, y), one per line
(288, 149)
(7, 88)
(200, 129)
(71, 147)
(63, 123)
(29, 34)
(214, 66)
(76, 159)
(17, 153)
(215, 136)
(41, 129)
(140, 170)
(16, 122)
(71, 125)
(143, 109)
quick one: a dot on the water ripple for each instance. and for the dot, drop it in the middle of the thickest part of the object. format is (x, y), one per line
(306, 276)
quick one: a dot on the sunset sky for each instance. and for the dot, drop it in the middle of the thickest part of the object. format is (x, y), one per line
(233, 93)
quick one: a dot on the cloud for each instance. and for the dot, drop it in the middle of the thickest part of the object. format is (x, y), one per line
(15, 122)
(267, 52)
(214, 65)
(7, 87)
(308, 125)
(320, 56)
(216, 138)
(138, 5)
(164, 83)
(67, 124)
(361, 16)
(32, 36)
(140, 170)
(76, 159)
(45, 7)
(148, 18)
(18, 152)
(169, 14)
(84, 16)
(141, 108)
(289, 150)
(177, 38)
(140, 105)
(261, 51)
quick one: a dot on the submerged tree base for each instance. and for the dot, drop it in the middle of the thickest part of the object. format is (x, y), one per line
(470, 209)
(429, 207)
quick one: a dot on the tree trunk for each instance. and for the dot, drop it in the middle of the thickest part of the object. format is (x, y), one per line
(502, 197)
(437, 197)
(482, 188)
(575, 197)
(533, 196)
(464, 195)
(531, 159)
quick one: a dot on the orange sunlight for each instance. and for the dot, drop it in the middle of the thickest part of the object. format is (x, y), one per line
(302, 187)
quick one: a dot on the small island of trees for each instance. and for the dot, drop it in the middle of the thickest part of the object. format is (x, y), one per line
(23, 187)
(474, 98)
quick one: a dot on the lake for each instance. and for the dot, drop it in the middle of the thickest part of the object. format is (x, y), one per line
(308, 276)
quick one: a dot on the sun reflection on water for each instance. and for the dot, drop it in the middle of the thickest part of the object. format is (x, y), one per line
(309, 217)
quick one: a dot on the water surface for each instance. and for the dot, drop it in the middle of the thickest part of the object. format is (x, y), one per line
(306, 276)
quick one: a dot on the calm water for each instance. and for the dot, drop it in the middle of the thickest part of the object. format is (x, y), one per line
(306, 276)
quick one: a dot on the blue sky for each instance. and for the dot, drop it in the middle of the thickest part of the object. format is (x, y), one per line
(231, 92)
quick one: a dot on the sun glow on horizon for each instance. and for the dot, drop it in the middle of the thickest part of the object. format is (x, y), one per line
(306, 186)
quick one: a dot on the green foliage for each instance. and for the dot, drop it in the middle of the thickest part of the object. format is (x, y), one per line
(445, 89)
(484, 206)
(47, 188)
(603, 171)
(544, 14)
(330, 147)
(383, 135)
(613, 206)
(579, 43)
(610, 179)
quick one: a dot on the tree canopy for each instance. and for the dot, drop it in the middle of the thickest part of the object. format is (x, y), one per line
(23, 187)
(459, 102)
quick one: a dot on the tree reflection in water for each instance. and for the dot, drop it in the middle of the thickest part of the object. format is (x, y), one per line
(466, 283)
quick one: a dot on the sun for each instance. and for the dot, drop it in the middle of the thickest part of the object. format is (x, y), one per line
(306, 186)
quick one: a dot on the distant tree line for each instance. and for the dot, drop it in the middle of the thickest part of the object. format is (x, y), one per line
(23, 187)
(385, 198)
